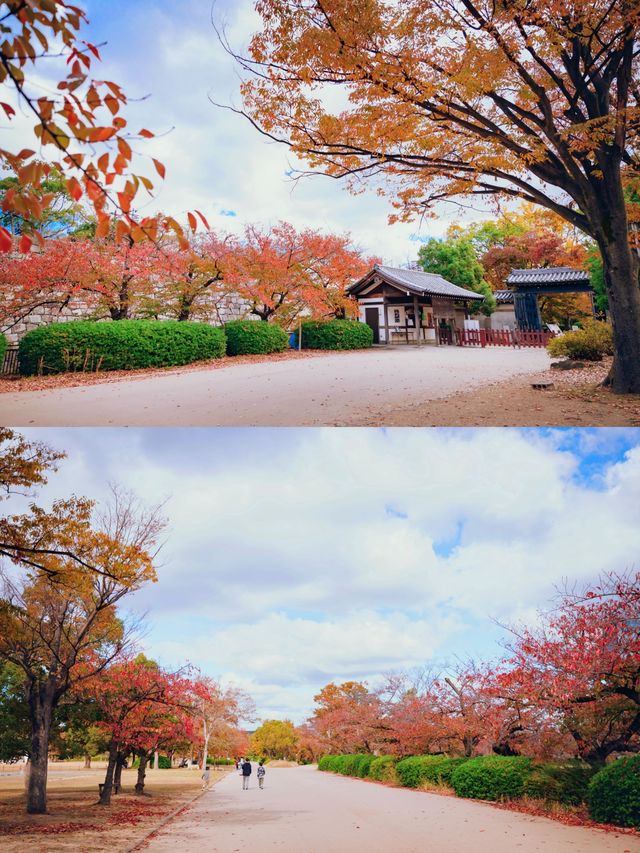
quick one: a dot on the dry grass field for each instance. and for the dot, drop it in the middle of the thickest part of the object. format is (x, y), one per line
(76, 823)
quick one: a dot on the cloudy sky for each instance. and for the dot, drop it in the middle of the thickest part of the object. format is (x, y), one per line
(298, 557)
(166, 56)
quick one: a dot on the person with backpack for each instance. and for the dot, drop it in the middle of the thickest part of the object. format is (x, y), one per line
(246, 773)
(261, 773)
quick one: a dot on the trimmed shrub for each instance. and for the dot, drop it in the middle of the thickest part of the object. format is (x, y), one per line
(121, 345)
(565, 783)
(220, 762)
(362, 765)
(412, 772)
(444, 770)
(383, 768)
(348, 765)
(614, 793)
(492, 777)
(587, 344)
(246, 337)
(3, 348)
(164, 762)
(336, 334)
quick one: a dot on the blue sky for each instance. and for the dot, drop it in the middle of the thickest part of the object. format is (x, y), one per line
(166, 57)
(297, 557)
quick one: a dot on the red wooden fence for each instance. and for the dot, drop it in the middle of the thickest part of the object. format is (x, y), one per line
(501, 338)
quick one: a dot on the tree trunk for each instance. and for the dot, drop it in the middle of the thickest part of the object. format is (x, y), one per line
(117, 776)
(105, 796)
(87, 762)
(156, 763)
(185, 310)
(620, 263)
(37, 782)
(142, 768)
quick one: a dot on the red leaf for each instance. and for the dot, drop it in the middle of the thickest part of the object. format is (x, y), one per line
(159, 167)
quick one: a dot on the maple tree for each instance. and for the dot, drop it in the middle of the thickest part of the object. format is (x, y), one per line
(58, 620)
(80, 119)
(446, 101)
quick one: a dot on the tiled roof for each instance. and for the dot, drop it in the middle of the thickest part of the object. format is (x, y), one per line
(503, 297)
(548, 275)
(417, 281)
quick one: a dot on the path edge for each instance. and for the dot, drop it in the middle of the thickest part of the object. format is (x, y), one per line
(165, 821)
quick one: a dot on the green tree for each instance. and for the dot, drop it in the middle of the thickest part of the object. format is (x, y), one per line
(15, 728)
(61, 217)
(275, 739)
(455, 259)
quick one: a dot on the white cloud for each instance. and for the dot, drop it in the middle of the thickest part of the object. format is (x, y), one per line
(297, 556)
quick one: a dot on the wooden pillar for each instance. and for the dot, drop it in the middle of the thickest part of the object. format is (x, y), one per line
(416, 314)
(385, 308)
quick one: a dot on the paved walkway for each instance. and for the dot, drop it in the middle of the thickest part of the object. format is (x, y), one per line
(304, 811)
(334, 390)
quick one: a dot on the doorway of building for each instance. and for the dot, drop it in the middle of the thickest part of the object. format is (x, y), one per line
(372, 319)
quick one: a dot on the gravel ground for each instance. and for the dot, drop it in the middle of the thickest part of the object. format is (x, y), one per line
(576, 399)
(304, 811)
(336, 389)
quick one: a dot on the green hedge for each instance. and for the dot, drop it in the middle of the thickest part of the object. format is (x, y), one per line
(412, 772)
(164, 762)
(492, 777)
(565, 783)
(614, 793)
(3, 348)
(383, 768)
(347, 765)
(220, 762)
(246, 337)
(336, 334)
(121, 345)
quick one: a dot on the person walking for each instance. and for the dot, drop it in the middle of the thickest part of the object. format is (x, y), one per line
(206, 778)
(261, 773)
(246, 772)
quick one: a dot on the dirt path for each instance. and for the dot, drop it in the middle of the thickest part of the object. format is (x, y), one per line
(333, 390)
(304, 811)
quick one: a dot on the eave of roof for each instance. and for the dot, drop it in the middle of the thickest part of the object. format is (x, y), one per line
(418, 282)
(547, 275)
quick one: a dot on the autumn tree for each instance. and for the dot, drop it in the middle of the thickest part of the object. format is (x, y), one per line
(70, 567)
(275, 739)
(78, 118)
(189, 282)
(347, 718)
(142, 708)
(283, 273)
(219, 710)
(582, 665)
(456, 100)
(23, 463)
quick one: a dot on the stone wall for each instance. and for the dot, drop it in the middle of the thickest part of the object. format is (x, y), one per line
(214, 311)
